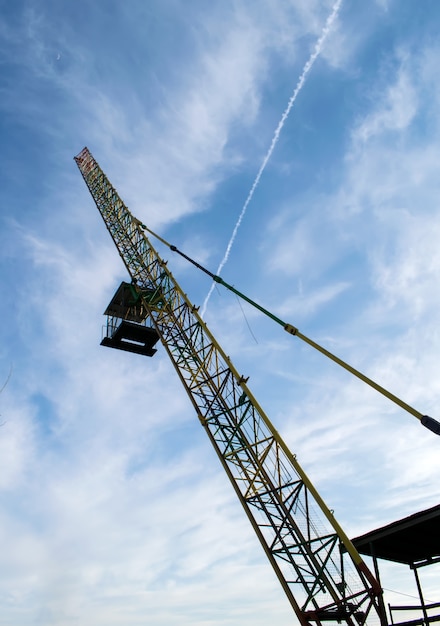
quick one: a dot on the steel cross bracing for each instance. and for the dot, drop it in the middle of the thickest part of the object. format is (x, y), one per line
(322, 574)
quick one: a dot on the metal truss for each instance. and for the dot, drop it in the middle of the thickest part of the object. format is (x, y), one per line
(320, 571)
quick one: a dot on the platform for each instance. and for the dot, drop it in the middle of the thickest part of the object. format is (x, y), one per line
(132, 337)
(412, 541)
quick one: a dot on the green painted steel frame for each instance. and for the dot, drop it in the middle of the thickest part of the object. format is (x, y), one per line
(287, 514)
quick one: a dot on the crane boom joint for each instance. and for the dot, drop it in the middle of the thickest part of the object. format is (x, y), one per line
(292, 330)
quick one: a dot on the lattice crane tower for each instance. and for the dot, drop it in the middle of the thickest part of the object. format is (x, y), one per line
(321, 572)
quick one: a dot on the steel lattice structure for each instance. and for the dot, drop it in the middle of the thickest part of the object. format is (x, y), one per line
(319, 569)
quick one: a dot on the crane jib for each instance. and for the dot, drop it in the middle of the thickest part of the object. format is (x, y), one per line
(321, 572)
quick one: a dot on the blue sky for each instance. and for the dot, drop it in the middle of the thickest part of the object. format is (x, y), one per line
(113, 507)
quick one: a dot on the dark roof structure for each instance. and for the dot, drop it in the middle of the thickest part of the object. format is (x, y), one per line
(412, 540)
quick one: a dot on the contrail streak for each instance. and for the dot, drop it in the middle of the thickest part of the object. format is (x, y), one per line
(307, 67)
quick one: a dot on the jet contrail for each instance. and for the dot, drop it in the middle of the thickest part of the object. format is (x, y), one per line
(307, 67)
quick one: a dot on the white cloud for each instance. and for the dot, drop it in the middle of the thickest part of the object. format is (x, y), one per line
(404, 275)
(16, 445)
(306, 303)
(397, 106)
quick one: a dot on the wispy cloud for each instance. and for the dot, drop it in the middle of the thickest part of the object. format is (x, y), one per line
(397, 109)
(305, 303)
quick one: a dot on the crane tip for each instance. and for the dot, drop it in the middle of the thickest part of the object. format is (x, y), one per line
(431, 424)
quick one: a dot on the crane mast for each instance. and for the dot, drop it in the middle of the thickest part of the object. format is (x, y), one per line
(321, 572)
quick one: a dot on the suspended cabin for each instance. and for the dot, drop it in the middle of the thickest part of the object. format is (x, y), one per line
(126, 327)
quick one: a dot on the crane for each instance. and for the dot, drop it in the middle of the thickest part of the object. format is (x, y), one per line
(319, 569)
